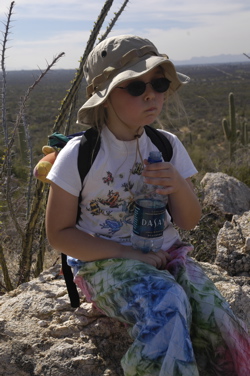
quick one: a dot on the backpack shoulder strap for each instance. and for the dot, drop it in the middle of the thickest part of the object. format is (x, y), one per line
(88, 150)
(69, 281)
(160, 141)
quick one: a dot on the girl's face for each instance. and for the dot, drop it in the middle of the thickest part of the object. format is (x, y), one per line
(127, 114)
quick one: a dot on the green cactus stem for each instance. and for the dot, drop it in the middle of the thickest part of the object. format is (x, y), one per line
(244, 133)
(229, 127)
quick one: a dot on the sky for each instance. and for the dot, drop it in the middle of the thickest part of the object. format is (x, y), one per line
(183, 29)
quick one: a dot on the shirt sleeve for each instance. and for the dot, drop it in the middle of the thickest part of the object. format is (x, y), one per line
(64, 171)
(180, 159)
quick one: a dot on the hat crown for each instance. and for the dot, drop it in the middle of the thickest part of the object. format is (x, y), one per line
(110, 54)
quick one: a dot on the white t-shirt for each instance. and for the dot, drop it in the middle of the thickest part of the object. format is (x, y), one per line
(107, 195)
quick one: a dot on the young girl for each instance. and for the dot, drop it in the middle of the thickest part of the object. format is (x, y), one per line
(179, 322)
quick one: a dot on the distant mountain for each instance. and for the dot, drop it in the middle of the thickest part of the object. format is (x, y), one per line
(219, 59)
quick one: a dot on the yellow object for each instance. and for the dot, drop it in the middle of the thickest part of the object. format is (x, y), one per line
(43, 167)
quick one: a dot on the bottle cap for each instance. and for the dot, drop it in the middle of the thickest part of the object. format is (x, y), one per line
(154, 157)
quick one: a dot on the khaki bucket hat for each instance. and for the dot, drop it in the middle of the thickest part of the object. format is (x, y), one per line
(118, 59)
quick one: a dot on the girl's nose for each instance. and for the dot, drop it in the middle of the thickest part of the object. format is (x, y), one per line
(149, 92)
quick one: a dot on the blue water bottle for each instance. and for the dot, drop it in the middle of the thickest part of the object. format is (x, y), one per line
(149, 214)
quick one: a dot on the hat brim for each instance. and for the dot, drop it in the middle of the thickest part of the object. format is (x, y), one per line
(144, 65)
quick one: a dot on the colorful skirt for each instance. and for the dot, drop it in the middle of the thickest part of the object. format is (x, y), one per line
(179, 321)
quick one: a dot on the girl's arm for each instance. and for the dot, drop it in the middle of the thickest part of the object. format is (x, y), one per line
(183, 203)
(63, 236)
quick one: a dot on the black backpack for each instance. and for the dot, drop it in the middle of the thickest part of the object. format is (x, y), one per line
(88, 150)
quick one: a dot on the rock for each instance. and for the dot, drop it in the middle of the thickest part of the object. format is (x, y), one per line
(42, 335)
(235, 290)
(225, 193)
(233, 250)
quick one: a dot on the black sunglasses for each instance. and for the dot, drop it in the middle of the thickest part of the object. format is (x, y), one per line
(137, 88)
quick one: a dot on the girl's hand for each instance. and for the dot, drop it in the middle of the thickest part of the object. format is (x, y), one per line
(158, 259)
(163, 174)
(184, 206)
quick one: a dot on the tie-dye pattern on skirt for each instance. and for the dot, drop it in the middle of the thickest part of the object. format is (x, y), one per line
(180, 323)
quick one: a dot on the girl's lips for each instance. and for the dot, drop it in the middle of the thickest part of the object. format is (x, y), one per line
(151, 109)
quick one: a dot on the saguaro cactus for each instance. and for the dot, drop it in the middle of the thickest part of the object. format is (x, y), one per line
(244, 133)
(229, 127)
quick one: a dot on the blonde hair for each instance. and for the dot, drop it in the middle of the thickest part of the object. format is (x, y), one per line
(97, 116)
(173, 114)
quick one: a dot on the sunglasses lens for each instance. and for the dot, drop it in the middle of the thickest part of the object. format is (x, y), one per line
(136, 88)
(160, 84)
